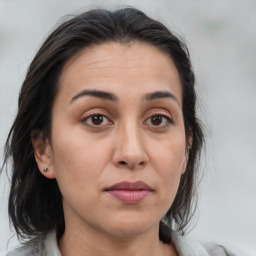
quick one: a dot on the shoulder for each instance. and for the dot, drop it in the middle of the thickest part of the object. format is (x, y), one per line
(187, 247)
(220, 250)
(44, 246)
(216, 250)
(29, 248)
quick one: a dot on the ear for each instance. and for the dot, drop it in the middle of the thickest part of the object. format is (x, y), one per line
(184, 163)
(43, 154)
(187, 150)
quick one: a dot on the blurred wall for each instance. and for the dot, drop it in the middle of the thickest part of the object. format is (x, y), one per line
(222, 39)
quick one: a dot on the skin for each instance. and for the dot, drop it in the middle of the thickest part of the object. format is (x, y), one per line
(127, 144)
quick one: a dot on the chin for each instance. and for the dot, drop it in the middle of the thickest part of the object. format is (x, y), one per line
(133, 226)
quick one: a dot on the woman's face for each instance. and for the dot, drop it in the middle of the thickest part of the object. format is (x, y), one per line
(118, 141)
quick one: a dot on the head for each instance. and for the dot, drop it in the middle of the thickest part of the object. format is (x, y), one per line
(36, 199)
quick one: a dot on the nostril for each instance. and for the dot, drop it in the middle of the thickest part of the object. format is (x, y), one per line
(131, 165)
(122, 162)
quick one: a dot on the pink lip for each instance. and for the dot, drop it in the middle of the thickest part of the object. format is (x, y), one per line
(128, 192)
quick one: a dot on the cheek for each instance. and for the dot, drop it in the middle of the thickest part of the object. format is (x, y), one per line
(168, 160)
(77, 161)
(168, 157)
(169, 170)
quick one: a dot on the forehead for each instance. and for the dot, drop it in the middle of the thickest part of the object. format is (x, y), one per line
(126, 54)
(120, 67)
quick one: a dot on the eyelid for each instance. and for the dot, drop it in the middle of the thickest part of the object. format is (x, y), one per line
(168, 120)
(95, 113)
(165, 116)
(160, 112)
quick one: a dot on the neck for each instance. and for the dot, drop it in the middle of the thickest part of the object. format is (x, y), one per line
(92, 242)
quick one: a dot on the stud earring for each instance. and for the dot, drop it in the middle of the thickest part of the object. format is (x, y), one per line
(45, 169)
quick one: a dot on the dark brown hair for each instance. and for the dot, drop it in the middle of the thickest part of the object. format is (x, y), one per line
(35, 202)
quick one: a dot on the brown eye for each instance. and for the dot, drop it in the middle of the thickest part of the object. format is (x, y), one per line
(96, 120)
(156, 120)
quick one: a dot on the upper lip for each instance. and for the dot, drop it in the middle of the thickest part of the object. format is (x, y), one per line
(126, 185)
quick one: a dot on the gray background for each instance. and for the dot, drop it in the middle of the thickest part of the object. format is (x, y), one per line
(222, 39)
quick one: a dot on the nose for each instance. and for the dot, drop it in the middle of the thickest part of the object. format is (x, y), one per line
(129, 149)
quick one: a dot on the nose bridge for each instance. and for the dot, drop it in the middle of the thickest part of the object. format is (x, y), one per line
(130, 136)
(130, 150)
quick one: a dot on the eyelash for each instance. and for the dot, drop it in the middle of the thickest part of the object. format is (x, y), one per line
(85, 120)
(162, 116)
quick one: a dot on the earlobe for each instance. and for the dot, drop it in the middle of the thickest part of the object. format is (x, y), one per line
(43, 154)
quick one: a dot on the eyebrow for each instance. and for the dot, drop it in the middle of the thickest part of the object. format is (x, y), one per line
(112, 97)
(97, 94)
(161, 94)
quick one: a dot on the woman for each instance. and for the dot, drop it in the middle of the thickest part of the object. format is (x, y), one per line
(106, 141)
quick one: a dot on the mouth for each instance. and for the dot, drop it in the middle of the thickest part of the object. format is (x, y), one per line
(130, 192)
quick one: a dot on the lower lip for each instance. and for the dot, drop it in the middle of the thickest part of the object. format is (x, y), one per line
(129, 196)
